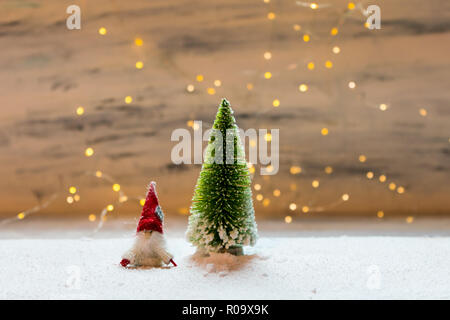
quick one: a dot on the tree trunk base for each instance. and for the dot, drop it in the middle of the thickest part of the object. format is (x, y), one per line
(234, 250)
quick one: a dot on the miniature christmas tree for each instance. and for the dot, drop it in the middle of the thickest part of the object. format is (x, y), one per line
(222, 216)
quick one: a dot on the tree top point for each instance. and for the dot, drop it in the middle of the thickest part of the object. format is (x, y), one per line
(225, 103)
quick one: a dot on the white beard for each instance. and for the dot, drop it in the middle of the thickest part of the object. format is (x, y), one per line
(149, 249)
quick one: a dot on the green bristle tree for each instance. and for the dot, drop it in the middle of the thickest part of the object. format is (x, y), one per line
(222, 216)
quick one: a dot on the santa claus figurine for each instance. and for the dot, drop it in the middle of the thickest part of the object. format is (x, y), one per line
(149, 248)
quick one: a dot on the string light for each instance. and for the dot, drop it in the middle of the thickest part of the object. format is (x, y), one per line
(259, 197)
(80, 111)
(250, 86)
(315, 184)
(116, 187)
(345, 197)
(211, 91)
(328, 170)
(392, 186)
(336, 49)
(362, 158)
(89, 152)
(109, 207)
(266, 202)
(199, 78)
(190, 88)
(217, 83)
(288, 219)
(400, 190)
(102, 31)
(295, 170)
(306, 38)
(139, 42)
(142, 202)
(382, 178)
(334, 31)
(268, 137)
(314, 6)
(292, 206)
(410, 219)
(276, 103)
(310, 65)
(305, 209)
(257, 187)
(98, 174)
(297, 27)
(268, 75)
(369, 175)
(128, 99)
(139, 65)
(324, 131)
(328, 64)
(303, 87)
(72, 190)
(92, 217)
(267, 55)
(352, 85)
(276, 192)
(380, 214)
(423, 112)
(69, 200)
(20, 215)
(351, 6)
(271, 16)
(383, 107)
(76, 197)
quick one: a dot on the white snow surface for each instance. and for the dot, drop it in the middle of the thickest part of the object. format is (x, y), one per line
(327, 267)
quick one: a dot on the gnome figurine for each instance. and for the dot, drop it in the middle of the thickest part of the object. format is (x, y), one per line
(149, 248)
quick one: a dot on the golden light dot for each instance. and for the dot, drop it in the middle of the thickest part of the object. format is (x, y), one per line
(392, 186)
(98, 174)
(315, 183)
(128, 99)
(328, 64)
(313, 6)
(369, 175)
(142, 202)
(288, 219)
(352, 85)
(271, 16)
(190, 88)
(380, 214)
(276, 192)
(104, 218)
(423, 112)
(295, 170)
(276, 103)
(345, 197)
(269, 168)
(382, 178)
(123, 199)
(195, 126)
(20, 215)
(190, 123)
(303, 87)
(266, 202)
(297, 27)
(268, 137)
(366, 25)
(267, 55)
(92, 217)
(252, 143)
(89, 152)
(80, 110)
(292, 206)
(217, 83)
(324, 131)
(293, 187)
(409, 219)
(336, 49)
(351, 6)
(139, 42)
(257, 186)
(267, 75)
(102, 31)
(305, 209)
(110, 207)
(401, 190)
(69, 200)
(183, 211)
(199, 78)
(311, 65)
(362, 158)
(139, 65)
(259, 197)
(72, 190)
(76, 197)
(383, 107)
(116, 187)
(328, 170)
(334, 31)
(251, 170)
(306, 38)
(266, 1)
(249, 86)
(211, 91)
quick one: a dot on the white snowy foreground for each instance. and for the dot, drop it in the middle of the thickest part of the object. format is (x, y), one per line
(335, 267)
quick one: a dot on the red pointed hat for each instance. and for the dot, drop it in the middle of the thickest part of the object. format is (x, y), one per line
(152, 216)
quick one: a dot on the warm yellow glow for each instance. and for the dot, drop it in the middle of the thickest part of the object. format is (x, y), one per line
(295, 170)
(69, 200)
(211, 91)
(89, 152)
(199, 78)
(334, 31)
(401, 190)
(268, 137)
(80, 110)
(345, 197)
(271, 16)
(303, 87)
(123, 199)
(276, 103)
(183, 211)
(352, 85)
(266, 202)
(116, 187)
(128, 99)
(288, 219)
(190, 123)
(257, 186)
(383, 107)
(315, 183)
(259, 197)
(92, 217)
(328, 64)
(410, 219)
(336, 49)
(324, 131)
(102, 31)
(392, 186)
(351, 6)
(190, 88)
(139, 65)
(293, 187)
(267, 55)
(76, 197)
(142, 202)
(366, 25)
(252, 143)
(362, 158)
(380, 214)
(139, 42)
(328, 170)
(110, 207)
(195, 126)
(276, 192)
(297, 27)
(251, 170)
(306, 37)
(382, 178)
(305, 209)
(311, 65)
(266, 1)
(73, 190)
(267, 75)
(217, 83)
(20, 215)
(313, 6)
(292, 206)
(98, 174)
(249, 86)
(269, 168)
(423, 112)
(369, 175)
